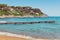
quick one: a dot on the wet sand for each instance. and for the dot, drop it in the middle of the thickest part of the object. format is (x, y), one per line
(10, 38)
(3, 37)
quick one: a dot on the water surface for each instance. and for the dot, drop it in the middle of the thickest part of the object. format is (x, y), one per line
(43, 30)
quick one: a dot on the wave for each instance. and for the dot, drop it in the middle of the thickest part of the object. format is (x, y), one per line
(16, 35)
(3, 21)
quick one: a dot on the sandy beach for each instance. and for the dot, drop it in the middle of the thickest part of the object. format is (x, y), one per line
(15, 38)
(10, 38)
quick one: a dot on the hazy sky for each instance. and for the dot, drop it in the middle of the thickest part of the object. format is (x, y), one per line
(49, 7)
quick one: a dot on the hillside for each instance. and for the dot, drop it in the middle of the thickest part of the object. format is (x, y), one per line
(6, 10)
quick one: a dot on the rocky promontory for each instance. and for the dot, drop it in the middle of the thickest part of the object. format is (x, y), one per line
(25, 11)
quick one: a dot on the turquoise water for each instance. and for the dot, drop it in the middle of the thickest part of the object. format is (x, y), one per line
(42, 30)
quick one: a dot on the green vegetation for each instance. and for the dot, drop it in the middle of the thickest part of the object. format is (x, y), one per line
(19, 11)
(3, 5)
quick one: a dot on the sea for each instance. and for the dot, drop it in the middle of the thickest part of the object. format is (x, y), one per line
(39, 30)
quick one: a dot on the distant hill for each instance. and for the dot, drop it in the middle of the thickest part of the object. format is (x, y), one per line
(20, 11)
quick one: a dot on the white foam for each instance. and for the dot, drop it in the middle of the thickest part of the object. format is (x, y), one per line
(20, 36)
(3, 21)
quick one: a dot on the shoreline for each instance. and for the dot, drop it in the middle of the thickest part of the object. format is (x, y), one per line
(16, 35)
(11, 16)
(16, 38)
(10, 36)
(23, 37)
(3, 37)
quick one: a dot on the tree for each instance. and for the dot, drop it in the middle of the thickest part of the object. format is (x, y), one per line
(12, 6)
(4, 5)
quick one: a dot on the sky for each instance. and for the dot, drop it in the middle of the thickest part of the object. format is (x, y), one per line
(49, 7)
